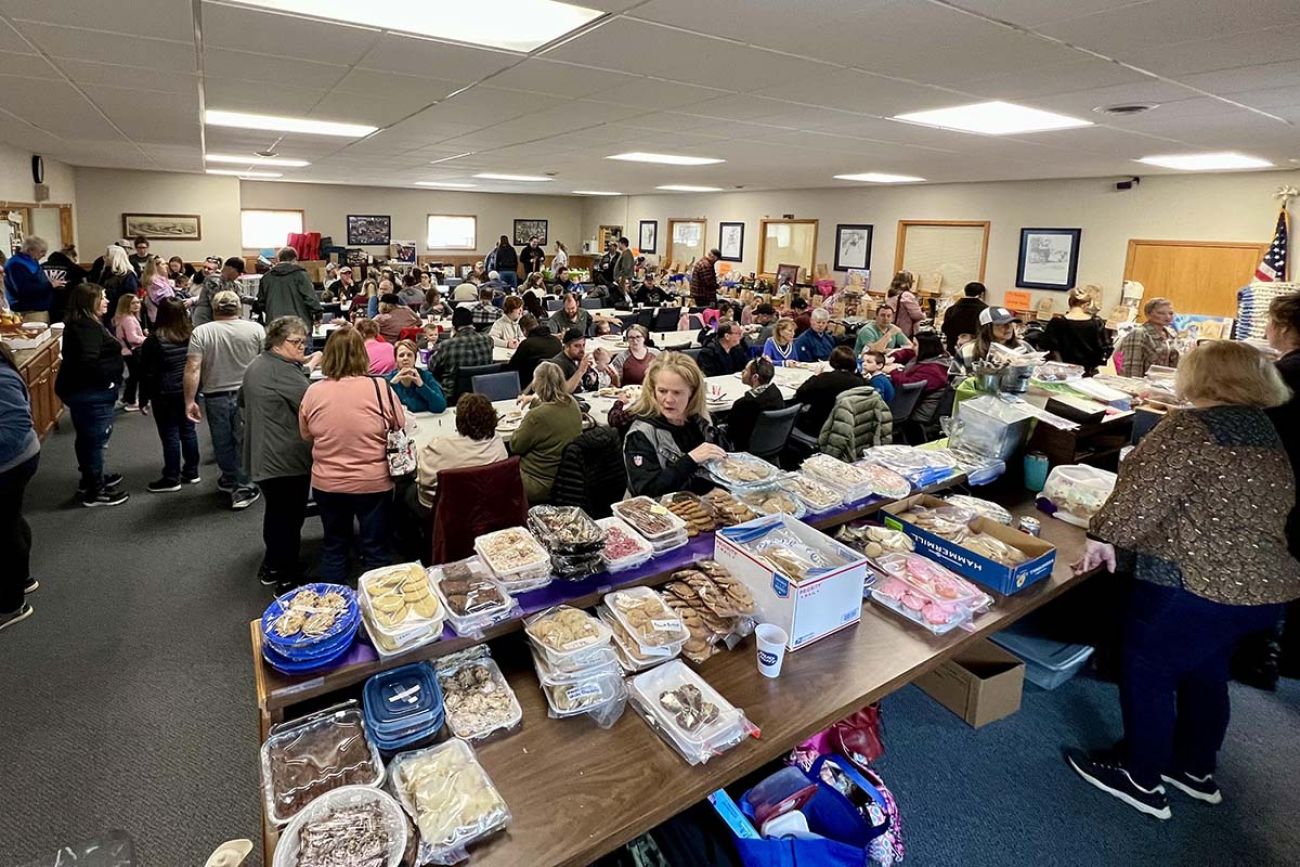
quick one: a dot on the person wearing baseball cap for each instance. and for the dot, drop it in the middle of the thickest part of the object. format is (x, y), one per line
(465, 348)
(996, 325)
(574, 361)
(227, 280)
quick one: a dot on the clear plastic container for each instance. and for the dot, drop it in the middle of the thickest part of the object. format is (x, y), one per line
(511, 551)
(985, 508)
(451, 799)
(388, 644)
(730, 511)
(565, 529)
(927, 593)
(814, 494)
(652, 520)
(850, 480)
(472, 598)
(741, 470)
(477, 701)
(530, 579)
(884, 482)
(597, 660)
(399, 608)
(1078, 492)
(305, 758)
(699, 516)
(774, 501)
(624, 548)
(585, 696)
(686, 712)
(632, 655)
(562, 632)
(646, 618)
(364, 822)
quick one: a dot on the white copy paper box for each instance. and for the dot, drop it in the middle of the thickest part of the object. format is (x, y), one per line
(807, 610)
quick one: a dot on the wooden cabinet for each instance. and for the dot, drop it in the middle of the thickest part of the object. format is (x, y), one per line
(40, 366)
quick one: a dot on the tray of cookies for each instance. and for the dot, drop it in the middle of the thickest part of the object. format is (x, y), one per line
(512, 551)
(818, 497)
(660, 527)
(699, 517)
(563, 632)
(645, 616)
(742, 471)
(471, 596)
(712, 605)
(631, 655)
(399, 608)
(774, 501)
(477, 702)
(728, 509)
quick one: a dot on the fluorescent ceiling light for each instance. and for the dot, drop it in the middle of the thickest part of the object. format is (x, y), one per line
(244, 120)
(688, 188)
(993, 118)
(879, 178)
(595, 193)
(495, 176)
(665, 159)
(236, 160)
(515, 25)
(1207, 162)
(455, 185)
(238, 174)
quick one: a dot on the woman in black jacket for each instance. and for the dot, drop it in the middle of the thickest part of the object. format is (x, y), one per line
(1079, 337)
(162, 383)
(87, 382)
(671, 436)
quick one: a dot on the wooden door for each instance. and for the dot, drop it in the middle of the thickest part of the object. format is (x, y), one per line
(1197, 276)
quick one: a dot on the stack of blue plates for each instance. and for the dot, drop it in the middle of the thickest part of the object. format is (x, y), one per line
(403, 706)
(306, 651)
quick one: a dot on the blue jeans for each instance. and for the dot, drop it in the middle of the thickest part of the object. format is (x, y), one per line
(178, 435)
(226, 425)
(92, 418)
(337, 512)
(1174, 685)
(510, 278)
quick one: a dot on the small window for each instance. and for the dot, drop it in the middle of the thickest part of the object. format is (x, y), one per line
(261, 229)
(452, 232)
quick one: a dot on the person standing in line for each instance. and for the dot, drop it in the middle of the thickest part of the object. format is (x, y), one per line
(1079, 337)
(162, 387)
(286, 290)
(127, 330)
(1150, 344)
(31, 290)
(87, 382)
(157, 286)
(219, 353)
(704, 280)
(507, 264)
(140, 257)
(963, 317)
(625, 264)
(62, 265)
(218, 277)
(346, 418)
(119, 279)
(275, 456)
(20, 455)
(561, 257)
(533, 257)
(902, 298)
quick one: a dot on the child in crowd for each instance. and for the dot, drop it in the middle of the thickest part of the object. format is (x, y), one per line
(873, 366)
(127, 330)
(606, 375)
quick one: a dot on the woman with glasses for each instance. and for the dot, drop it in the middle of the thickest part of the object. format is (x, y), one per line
(632, 363)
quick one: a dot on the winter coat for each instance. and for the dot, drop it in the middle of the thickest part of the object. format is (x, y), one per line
(162, 368)
(286, 290)
(591, 473)
(859, 420)
(92, 359)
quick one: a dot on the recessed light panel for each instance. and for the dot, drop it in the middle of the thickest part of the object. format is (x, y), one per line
(236, 160)
(665, 159)
(595, 193)
(688, 188)
(244, 120)
(515, 25)
(880, 178)
(238, 174)
(495, 176)
(452, 185)
(1215, 162)
(993, 118)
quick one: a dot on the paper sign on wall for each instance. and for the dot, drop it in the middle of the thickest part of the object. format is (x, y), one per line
(1015, 300)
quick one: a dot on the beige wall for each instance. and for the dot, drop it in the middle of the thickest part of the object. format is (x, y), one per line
(103, 195)
(327, 207)
(16, 178)
(1225, 207)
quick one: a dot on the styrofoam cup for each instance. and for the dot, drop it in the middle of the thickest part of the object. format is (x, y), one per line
(771, 641)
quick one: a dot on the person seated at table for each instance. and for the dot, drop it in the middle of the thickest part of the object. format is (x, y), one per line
(382, 358)
(551, 423)
(475, 443)
(763, 395)
(632, 362)
(563, 281)
(466, 291)
(670, 436)
(534, 294)
(818, 393)
(620, 294)
(603, 367)
(816, 343)
(872, 365)
(434, 307)
(799, 313)
(576, 363)
(648, 294)
(465, 348)
(411, 293)
(483, 311)
(765, 318)
(882, 334)
(342, 288)
(570, 316)
(724, 354)
(505, 331)
(997, 325)
(930, 367)
(779, 348)
(417, 389)
(393, 317)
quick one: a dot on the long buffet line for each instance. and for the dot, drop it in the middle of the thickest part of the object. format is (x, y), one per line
(395, 775)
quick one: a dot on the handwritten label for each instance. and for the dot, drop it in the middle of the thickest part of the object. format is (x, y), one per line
(673, 625)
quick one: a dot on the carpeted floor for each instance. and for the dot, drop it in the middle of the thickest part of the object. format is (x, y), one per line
(128, 704)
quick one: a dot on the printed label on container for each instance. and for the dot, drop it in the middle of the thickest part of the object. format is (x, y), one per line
(766, 657)
(780, 585)
(666, 625)
(582, 690)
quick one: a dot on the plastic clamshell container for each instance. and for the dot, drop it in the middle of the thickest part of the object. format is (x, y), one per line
(632, 655)
(1078, 492)
(454, 820)
(690, 499)
(511, 551)
(935, 581)
(531, 579)
(940, 621)
(462, 722)
(288, 850)
(595, 691)
(927, 593)
(667, 527)
(536, 628)
(546, 522)
(770, 501)
(388, 646)
(616, 529)
(402, 583)
(812, 492)
(743, 470)
(495, 604)
(850, 480)
(598, 659)
(330, 729)
(666, 628)
(885, 482)
(987, 508)
(704, 741)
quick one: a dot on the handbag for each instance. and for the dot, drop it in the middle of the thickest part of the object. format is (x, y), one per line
(399, 448)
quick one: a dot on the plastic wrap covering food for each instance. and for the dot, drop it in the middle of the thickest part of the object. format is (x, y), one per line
(927, 593)
(729, 510)
(451, 799)
(774, 501)
(471, 596)
(715, 608)
(699, 516)
(850, 480)
(742, 471)
(399, 608)
(511, 551)
(564, 631)
(624, 548)
(919, 466)
(876, 541)
(1077, 492)
(953, 524)
(354, 826)
(1058, 371)
(786, 553)
(687, 713)
(305, 758)
(978, 506)
(574, 540)
(631, 655)
(659, 526)
(476, 699)
(644, 614)
(815, 495)
(884, 482)
(310, 629)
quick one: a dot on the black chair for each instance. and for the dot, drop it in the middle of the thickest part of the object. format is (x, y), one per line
(694, 353)
(497, 386)
(592, 303)
(905, 399)
(666, 319)
(772, 431)
(646, 319)
(677, 347)
(553, 304)
(465, 377)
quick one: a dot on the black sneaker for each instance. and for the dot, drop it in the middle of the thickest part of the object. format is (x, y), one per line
(243, 499)
(1201, 788)
(111, 480)
(106, 497)
(191, 480)
(31, 585)
(1109, 775)
(16, 616)
(162, 486)
(268, 577)
(226, 487)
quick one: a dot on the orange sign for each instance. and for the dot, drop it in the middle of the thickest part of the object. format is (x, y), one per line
(1015, 300)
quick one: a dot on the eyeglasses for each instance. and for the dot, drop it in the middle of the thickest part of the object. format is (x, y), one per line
(297, 341)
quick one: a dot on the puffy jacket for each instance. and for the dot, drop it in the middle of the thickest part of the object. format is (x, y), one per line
(859, 420)
(506, 259)
(286, 290)
(591, 474)
(92, 359)
(28, 285)
(162, 368)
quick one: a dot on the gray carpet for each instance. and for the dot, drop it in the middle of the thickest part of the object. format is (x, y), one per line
(128, 704)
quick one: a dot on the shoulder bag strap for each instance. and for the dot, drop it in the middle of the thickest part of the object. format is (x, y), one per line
(380, 401)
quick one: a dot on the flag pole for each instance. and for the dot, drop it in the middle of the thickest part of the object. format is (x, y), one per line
(1285, 194)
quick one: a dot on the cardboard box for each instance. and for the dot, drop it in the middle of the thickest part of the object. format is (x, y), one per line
(980, 684)
(1004, 579)
(809, 609)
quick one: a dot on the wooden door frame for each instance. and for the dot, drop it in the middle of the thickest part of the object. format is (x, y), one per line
(900, 242)
(704, 237)
(66, 230)
(762, 244)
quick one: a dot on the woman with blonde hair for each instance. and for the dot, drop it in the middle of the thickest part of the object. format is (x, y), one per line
(779, 348)
(156, 280)
(127, 330)
(1078, 337)
(346, 418)
(553, 421)
(1200, 513)
(417, 389)
(118, 277)
(671, 435)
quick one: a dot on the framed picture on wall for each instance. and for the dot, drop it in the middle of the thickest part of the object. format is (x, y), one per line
(648, 236)
(852, 246)
(1049, 258)
(163, 227)
(526, 229)
(369, 230)
(787, 274)
(731, 241)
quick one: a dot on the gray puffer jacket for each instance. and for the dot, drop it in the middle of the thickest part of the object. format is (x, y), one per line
(859, 420)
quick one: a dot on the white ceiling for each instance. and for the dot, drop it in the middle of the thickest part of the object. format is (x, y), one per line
(788, 92)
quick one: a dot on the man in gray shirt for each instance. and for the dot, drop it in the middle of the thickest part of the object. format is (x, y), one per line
(216, 280)
(220, 351)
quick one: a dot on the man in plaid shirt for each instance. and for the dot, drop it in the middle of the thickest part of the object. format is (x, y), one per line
(1151, 343)
(704, 280)
(465, 348)
(484, 311)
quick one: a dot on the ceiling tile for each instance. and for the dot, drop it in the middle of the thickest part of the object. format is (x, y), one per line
(1248, 78)
(10, 40)
(561, 79)
(164, 118)
(1057, 78)
(862, 92)
(651, 95)
(80, 44)
(57, 108)
(424, 57)
(1127, 32)
(162, 19)
(259, 96)
(243, 66)
(1030, 13)
(372, 84)
(26, 66)
(1222, 52)
(133, 77)
(246, 29)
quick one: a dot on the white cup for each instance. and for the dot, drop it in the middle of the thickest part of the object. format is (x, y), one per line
(771, 641)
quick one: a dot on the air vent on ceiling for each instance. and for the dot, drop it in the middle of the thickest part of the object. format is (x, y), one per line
(267, 153)
(1126, 109)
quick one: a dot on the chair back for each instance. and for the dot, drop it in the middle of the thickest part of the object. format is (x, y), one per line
(592, 474)
(553, 304)
(646, 319)
(666, 319)
(465, 377)
(592, 303)
(772, 431)
(473, 501)
(905, 398)
(497, 386)
(694, 353)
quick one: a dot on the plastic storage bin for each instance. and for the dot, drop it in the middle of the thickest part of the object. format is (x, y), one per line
(1048, 663)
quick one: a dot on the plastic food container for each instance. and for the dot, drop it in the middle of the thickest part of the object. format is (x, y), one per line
(927, 593)
(624, 547)
(986, 508)
(309, 629)
(632, 655)
(1078, 492)
(476, 699)
(529, 579)
(565, 529)
(920, 466)
(652, 520)
(357, 816)
(743, 471)
(646, 618)
(451, 799)
(403, 706)
(730, 511)
(884, 482)
(575, 670)
(399, 608)
(305, 758)
(774, 501)
(686, 712)
(584, 696)
(850, 480)
(816, 495)
(511, 551)
(698, 515)
(563, 632)
(472, 598)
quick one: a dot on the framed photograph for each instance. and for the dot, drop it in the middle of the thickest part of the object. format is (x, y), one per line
(525, 229)
(1049, 258)
(648, 237)
(368, 230)
(787, 274)
(163, 227)
(403, 252)
(731, 241)
(852, 246)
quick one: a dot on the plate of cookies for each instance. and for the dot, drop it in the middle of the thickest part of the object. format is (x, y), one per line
(399, 607)
(699, 517)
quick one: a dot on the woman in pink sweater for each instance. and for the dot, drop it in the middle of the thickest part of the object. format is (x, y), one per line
(157, 286)
(127, 330)
(346, 418)
(381, 357)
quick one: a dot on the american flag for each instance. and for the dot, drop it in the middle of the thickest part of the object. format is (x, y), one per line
(1273, 267)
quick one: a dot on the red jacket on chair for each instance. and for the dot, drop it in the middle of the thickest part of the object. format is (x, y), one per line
(473, 501)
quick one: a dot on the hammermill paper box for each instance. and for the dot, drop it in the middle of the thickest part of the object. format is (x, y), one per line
(807, 609)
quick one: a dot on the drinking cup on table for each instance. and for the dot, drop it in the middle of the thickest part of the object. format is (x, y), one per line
(771, 640)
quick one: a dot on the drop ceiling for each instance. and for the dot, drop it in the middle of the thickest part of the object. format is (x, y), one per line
(788, 92)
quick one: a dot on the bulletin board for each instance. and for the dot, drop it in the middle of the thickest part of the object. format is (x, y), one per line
(944, 255)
